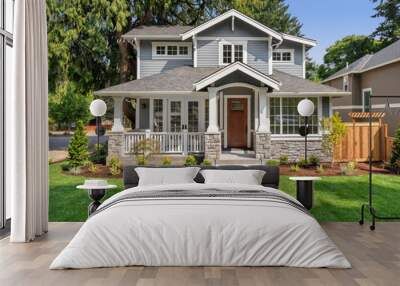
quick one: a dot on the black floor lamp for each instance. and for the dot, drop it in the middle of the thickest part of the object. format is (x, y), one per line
(305, 108)
(98, 108)
(370, 205)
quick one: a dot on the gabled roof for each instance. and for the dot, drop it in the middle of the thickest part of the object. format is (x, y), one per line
(179, 32)
(234, 67)
(386, 56)
(229, 14)
(181, 80)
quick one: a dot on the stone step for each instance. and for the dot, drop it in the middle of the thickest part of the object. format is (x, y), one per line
(249, 161)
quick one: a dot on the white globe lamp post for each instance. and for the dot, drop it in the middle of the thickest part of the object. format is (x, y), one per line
(305, 109)
(98, 108)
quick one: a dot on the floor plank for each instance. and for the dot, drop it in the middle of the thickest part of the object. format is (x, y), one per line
(375, 257)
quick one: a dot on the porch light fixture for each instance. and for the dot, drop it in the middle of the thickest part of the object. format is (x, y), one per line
(98, 108)
(305, 109)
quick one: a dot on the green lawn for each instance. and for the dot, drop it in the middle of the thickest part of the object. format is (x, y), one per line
(336, 198)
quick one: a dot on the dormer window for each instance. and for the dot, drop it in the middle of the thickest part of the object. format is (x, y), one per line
(283, 56)
(230, 52)
(171, 50)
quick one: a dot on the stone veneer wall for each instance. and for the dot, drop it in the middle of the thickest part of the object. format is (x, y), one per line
(212, 145)
(262, 143)
(266, 148)
(294, 149)
(115, 145)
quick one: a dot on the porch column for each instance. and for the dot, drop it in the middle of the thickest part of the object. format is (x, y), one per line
(212, 138)
(263, 136)
(118, 115)
(212, 110)
(264, 114)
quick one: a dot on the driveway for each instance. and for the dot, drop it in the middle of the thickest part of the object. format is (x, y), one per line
(60, 142)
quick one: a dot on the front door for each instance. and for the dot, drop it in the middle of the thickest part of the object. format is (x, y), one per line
(237, 122)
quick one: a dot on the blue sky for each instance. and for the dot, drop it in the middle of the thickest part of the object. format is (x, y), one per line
(330, 20)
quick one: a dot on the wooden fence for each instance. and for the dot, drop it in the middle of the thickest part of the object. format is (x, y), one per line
(354, 145)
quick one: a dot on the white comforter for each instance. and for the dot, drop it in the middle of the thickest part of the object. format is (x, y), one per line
(200, 231)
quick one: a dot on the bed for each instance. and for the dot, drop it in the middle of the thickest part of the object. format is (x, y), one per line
(198, 224)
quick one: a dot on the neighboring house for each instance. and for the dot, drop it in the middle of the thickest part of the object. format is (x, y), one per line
(377, 74)
(228, 83)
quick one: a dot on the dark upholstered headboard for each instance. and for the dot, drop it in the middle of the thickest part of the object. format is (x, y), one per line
(270, 179)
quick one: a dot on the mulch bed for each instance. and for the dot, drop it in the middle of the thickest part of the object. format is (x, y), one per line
(362, 169)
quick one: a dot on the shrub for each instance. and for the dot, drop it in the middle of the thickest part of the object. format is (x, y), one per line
(348, 169)
(272, 163)
(314, 160)
(190, 161)
(334, 130)
(302, 163)
(167, 161)
(206, 162)
(92, 168)
(141, 160)
(114, 165)
(65, 167)
(395, 158)
(284, 160)
(78, 153)
(100, 155)
(294, 168)
(320, 169)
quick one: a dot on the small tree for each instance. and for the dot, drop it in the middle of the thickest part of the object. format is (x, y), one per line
(334, 130)
(144, 149)
(395, 159)
(78, 153)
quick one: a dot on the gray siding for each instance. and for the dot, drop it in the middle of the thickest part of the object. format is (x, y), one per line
(296, 68)
(224, 29)
(207, 53)
(257, 55)
(148, 66)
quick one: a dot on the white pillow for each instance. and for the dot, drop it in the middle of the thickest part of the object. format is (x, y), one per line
(166, 176)
(247, 177)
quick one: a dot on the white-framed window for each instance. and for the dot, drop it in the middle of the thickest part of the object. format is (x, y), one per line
(172, 50)
(232, 51)
(346, 83)
(366, 97)
(283, 56)
(158, 118)
(284, 118)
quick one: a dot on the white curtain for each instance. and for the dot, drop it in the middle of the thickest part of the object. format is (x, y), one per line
(27, 124)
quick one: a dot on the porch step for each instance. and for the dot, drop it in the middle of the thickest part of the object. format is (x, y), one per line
(238, 157)
(249, 161)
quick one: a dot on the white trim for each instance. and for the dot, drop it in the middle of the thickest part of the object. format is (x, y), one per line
(154, 46)
(291, 51)
(137, 42)
(224, 42)
(344, 107)
(224, 16)
(148, 93)
(270, 64)
(219, 38)
(137, 114)
(308, 93)
(152, 37)
(304, 41)
(363, 98)
(304, 61)
(194, 51)
(151, 113)
(237, 66)
(295, 137)
(248, 97)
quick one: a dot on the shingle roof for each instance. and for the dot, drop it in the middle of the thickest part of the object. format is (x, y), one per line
(367, 62)
(354, 67)
(181, 79)
(158, 31)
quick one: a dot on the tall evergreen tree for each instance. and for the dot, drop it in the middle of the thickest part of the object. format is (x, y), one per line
(388, 30)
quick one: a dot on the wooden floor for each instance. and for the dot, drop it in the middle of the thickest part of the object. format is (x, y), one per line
(375, 257)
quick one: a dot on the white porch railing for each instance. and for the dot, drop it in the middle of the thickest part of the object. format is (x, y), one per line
(167, 142)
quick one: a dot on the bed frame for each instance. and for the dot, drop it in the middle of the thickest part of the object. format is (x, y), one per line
(270, 179)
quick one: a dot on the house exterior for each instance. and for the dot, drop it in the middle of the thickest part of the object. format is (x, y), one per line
(377, 74)
(228, 83)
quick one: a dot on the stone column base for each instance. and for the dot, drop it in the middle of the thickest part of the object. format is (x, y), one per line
(115, 145)
(262, 145)
(212, 145)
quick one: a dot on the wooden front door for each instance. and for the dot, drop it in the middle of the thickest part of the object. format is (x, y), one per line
(237, 122)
